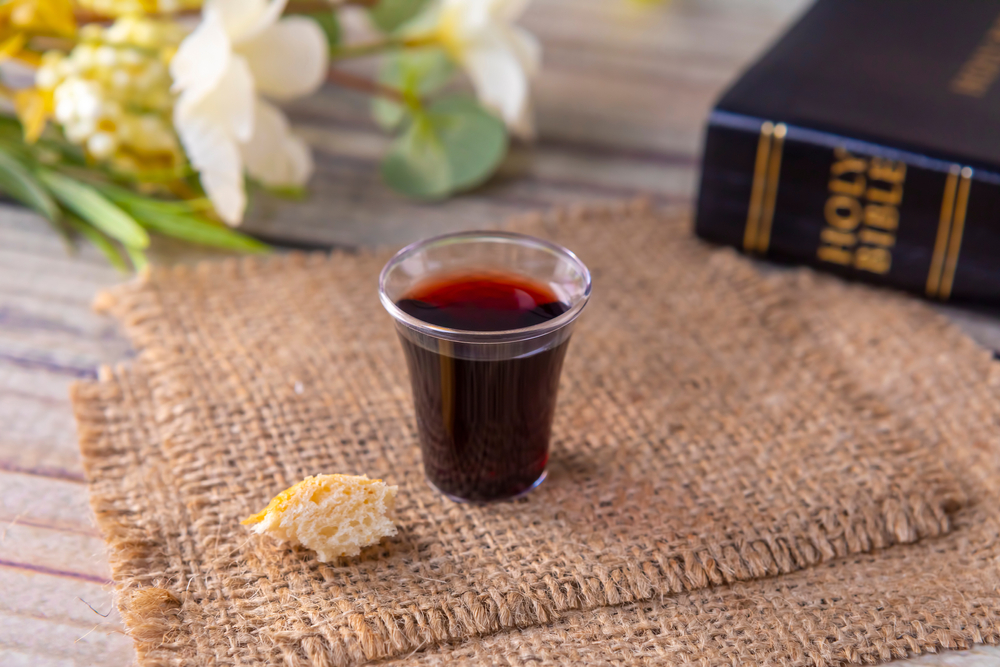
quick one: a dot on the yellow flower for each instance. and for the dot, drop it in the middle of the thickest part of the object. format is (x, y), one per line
(111, 94)
(34, 108)
(22, 19)
(11, 46)
(40, 17)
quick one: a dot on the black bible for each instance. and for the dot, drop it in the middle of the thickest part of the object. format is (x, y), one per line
(867, 142)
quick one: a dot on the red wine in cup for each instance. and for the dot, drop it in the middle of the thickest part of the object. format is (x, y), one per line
(484, 425)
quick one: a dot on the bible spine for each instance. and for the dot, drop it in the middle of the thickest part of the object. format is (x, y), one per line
(863, 210)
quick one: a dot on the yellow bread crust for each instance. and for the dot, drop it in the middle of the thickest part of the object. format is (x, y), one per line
(280, 502)
(333, 515)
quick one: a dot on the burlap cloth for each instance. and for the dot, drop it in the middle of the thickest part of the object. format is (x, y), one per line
(715, 428)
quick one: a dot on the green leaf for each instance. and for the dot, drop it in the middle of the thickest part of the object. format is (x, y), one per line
(389, 15)
(328, 23)
(11, 132)
(455, 145)
(196, 229)
(415, 73)
(125, 197)
(137, 257)
(387, 113)
(95, 208)
(19, 183)
(179, 219)
(417, 164)
(50, 147)
(475, 140)
(99, 240)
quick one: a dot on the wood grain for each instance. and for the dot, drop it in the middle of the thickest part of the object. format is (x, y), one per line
(621, 103)
(52, 561)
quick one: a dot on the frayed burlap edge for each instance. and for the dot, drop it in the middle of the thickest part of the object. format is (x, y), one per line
(150, 612)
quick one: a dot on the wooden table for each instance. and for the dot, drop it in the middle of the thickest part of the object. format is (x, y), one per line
(621, 102)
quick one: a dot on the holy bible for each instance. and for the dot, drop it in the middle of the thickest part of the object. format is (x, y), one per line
(866, 142)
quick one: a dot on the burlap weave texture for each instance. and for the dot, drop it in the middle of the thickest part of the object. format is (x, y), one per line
(714, 427)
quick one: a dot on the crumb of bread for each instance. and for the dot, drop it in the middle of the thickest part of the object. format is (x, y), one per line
(334, 515)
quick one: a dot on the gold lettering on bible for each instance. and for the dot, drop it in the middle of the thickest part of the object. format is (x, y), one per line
(862, 212)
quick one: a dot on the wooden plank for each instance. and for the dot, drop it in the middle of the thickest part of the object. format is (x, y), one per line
(51, 557)
(43, 502)
(49, 337)
(72, 554)
(39, 641)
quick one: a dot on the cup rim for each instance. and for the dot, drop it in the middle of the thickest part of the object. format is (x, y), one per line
(466, 335)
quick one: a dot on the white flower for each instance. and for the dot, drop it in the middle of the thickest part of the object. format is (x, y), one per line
(499, 56)
(240, 49)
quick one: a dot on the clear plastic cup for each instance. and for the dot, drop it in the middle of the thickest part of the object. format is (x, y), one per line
(484, 400)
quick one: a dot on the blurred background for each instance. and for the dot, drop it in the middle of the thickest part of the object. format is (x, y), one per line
(620, 101)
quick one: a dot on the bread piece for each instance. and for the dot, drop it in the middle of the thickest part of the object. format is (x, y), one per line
(334, 515)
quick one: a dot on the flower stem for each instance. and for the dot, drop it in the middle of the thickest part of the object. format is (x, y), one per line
(363, 85)
(361, 50)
